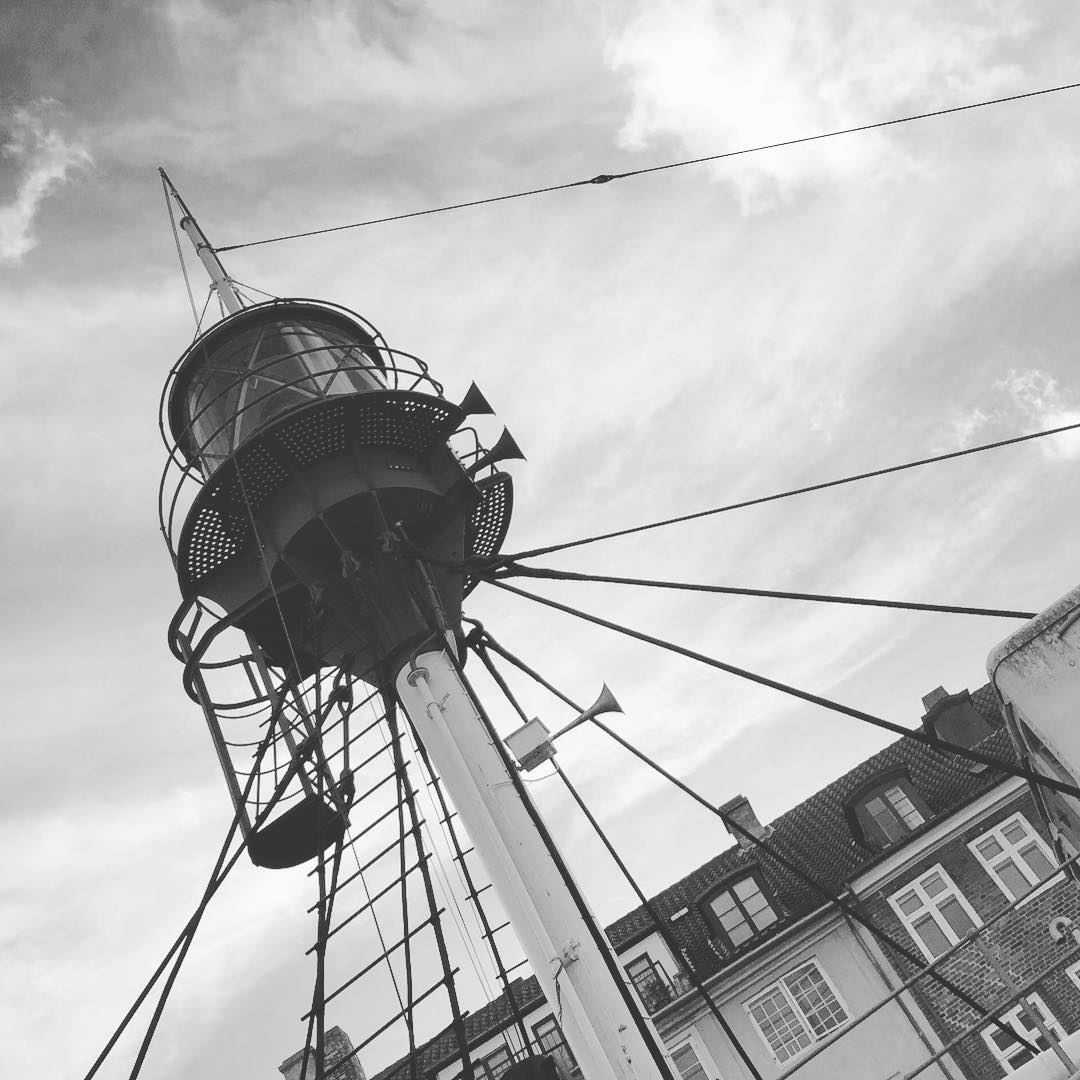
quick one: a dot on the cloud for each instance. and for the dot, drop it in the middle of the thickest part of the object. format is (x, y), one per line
(44, 157)
(714, 75)
(1037, 397)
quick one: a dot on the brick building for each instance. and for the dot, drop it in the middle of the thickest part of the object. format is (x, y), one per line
(929, 846)
(336, 1046)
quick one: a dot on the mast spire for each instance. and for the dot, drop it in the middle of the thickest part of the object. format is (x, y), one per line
(222, 283)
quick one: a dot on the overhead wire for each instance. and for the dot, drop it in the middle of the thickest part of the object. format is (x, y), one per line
(766, 847)
(605, 178)
(217, 877)
(515, 570)
(804, 695)
(180, 255)
(479, 647)
(663, 523)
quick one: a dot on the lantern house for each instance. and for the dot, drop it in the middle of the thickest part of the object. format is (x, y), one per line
(320, 459)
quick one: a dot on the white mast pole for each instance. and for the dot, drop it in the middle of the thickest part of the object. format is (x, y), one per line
(207, 255)
(579, 974)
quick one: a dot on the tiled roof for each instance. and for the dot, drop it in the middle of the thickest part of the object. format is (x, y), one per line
(494, 1016)
(816, 835)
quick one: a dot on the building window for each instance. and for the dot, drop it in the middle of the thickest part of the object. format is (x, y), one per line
(1006, 1049)
(1015, 856)
(692, 1060)
(549, 1038)
(934, 911)
(888, 809)
(794, 1013)
(651, 982)
(741, 911)
(495, 1064)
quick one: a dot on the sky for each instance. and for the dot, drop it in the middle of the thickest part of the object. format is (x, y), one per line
(657, 345)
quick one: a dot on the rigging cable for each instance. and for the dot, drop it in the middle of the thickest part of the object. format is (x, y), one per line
(769, 849)
(658, 923)
(605, 178)
(217, 878)
(786, 494)
(804, 695)
(514, 570)
(180, 255)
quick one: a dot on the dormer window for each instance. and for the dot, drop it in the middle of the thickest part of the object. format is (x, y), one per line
(894, 813)
(888, 810)
(740, 910)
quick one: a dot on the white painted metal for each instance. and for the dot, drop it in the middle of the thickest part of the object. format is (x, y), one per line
(1036, 671)
(207, 255)
(222, 282)
(596, 1019)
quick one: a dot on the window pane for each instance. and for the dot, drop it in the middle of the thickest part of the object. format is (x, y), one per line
(989, 847)
(815, 999)
(760, 911)
(933, 884)
(782, 1029)
(909, 902)
(740, 933)
(886, 819)
(765, 918)
(956, 916)
(551, 1041)
(1015, 832)
(638, 966)
(933, 937)
(722, 903)
(497, 1063)
(746, 889)
(686, 1061)
(1040, 865)
(1012, 878)
(904, 807)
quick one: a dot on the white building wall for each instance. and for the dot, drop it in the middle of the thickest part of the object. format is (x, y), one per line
(882, 1047)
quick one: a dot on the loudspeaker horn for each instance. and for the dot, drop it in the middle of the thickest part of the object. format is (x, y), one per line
(505, 448)
(605, 703)
(474, 403)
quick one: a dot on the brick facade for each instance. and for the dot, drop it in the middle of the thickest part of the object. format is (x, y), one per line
(1020, 939)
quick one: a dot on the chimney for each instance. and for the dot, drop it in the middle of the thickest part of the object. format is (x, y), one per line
(742, 813)
(931, 699)
(954, 718)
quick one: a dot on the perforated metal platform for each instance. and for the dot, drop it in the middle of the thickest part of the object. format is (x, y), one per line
(219, 530)
(489, 522)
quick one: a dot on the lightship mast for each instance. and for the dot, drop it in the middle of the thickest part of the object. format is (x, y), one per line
(329, 518)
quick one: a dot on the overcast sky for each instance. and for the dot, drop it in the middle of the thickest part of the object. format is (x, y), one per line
(657, 345)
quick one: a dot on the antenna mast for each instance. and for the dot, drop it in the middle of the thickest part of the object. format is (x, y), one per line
(204, 249)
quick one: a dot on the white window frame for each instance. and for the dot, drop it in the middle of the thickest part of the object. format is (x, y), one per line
(696, 1043)
(1073, 972)
(780, 984)
(1012, 1017)
(930, 907)
(998, 833)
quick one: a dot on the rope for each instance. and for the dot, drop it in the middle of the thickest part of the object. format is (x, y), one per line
(659, 927)
(183, 941)
(180, 255)
(514, 570)
(822, 890)
(769, 849)
(787, 494)
(804, 695)
(605, 178)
